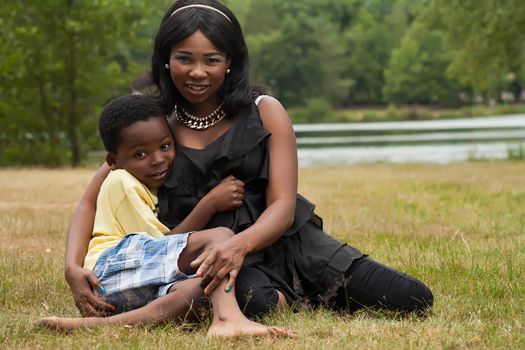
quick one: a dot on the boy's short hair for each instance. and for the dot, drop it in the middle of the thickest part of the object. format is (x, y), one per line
(121, 113)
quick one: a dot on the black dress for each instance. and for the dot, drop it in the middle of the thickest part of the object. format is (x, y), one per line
(307, 265)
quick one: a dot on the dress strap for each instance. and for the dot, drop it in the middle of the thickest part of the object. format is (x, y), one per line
(259, 98)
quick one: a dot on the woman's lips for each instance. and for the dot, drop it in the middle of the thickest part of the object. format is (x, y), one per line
(196, 90)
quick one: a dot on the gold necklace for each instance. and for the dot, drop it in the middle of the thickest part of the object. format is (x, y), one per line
(196, 123)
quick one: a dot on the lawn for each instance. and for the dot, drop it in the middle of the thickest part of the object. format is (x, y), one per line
(460, 228)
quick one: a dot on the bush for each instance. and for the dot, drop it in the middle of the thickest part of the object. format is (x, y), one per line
(317, 110)
(33, 153)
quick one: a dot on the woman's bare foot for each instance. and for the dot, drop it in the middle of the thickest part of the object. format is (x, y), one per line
(244, 327)
(62, 324)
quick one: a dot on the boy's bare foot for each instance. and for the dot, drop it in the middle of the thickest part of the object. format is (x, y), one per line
(244, 327)
(61, 324)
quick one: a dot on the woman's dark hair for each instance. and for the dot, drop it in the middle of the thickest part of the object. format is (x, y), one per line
(224, 34)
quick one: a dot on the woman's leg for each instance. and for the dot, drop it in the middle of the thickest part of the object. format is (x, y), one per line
(338, 275)
(180, 304)
(371, 284)
(255, 293)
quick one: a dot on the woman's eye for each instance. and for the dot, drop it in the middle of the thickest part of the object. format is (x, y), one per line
(214, 60)
(183, 59)
(165, 146)
(140, 154)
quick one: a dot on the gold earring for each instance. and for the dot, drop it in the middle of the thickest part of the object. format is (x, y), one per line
(228, 71)
(167, 66)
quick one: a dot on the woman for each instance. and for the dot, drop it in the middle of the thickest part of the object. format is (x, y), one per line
(280, 254)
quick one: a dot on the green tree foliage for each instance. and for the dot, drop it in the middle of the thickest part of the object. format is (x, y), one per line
(302, 58)
(60, 60)
(335, 49)
(289, 59)
(486, 39)
(416, 72)
(376, 29)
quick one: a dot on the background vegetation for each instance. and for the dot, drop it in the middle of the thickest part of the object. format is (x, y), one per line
(61, 60)
(459, 228)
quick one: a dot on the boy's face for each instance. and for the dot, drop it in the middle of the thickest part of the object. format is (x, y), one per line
(146, 151)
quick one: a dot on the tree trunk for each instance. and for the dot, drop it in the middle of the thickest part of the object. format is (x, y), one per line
(44, 105)
(72, 119)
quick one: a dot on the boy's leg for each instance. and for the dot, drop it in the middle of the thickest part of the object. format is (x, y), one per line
(197, 242)
(229, 321)
(255, 293)
(179, 305)
(254, 290)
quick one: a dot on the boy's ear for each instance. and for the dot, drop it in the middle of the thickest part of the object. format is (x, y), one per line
(111, 160)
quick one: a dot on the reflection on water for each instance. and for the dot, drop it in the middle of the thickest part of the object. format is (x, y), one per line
(443, 141)
(423, 137)
(433, 153)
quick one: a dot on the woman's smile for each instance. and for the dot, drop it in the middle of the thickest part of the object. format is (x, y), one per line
(198, 69)
(197, 90)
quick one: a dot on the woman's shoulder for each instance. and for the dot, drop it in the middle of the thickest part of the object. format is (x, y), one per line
(264, 100)
(272, 112)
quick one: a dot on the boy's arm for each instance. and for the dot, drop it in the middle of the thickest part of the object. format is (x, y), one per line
(82, 281)
(227, 195)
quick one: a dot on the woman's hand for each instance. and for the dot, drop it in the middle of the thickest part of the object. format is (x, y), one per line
(218, 262)
(82, 283)
(227, 195)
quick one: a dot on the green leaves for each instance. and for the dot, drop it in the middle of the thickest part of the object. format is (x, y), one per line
(60, 61)
(486, 39)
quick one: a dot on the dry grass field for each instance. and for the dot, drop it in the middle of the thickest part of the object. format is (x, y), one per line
(460, 228)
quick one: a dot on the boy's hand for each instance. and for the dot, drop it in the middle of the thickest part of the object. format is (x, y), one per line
(82, 283)
(227, 195)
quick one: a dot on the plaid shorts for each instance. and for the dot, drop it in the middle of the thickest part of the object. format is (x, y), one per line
(140, 269)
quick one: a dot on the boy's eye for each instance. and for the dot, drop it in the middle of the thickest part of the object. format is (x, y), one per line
(140, 154)
(165, 146)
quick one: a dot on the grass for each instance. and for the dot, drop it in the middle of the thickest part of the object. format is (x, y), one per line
(459, 228)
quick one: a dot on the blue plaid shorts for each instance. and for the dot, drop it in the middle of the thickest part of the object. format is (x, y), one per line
(140, 269)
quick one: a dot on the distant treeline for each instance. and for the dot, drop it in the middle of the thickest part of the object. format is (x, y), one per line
(61, 61)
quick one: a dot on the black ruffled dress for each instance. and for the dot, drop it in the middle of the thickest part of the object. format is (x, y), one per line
(306, 264)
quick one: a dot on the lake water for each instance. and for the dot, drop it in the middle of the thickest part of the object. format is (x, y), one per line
(439, 141)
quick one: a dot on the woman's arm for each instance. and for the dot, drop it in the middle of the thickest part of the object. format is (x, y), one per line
(281, 195)
(82, 281)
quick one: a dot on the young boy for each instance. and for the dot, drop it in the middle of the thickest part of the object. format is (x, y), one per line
(143, 268)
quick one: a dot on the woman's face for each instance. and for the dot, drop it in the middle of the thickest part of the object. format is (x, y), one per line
(197, 69)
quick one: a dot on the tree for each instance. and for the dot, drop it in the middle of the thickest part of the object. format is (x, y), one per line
(486, 40)
(60, 60)
(377, 28)
(289, 60)
(416, 71)
(302, 58)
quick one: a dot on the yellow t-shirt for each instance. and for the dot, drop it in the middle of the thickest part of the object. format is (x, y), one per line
(124, 206)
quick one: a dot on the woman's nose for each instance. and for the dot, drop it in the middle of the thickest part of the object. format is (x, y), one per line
(198, 71)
